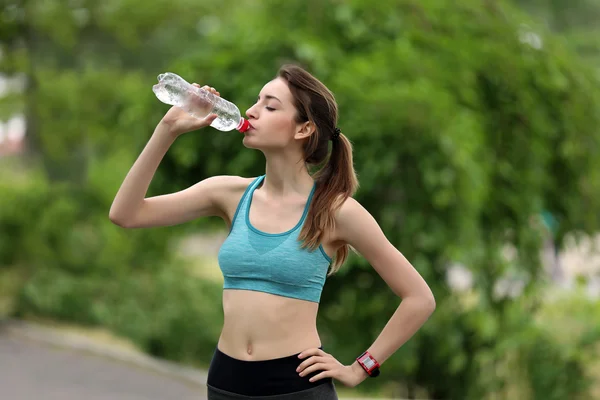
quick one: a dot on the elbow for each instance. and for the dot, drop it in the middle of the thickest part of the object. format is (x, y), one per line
(421, 303)
(116, 220)
(424, 303)
(119, 220)
(429, 303)
(426, 299)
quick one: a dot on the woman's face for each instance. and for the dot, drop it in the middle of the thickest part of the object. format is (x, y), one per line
(272, 118)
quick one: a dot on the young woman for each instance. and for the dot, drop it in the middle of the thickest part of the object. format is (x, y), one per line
(289, 229)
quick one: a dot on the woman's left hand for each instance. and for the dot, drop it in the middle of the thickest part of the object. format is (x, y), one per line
(318, 360)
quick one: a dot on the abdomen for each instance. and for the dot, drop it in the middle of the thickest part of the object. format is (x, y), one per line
(262, 326)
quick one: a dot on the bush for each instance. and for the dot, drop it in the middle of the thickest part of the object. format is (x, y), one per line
(464, 130)
(542, 353)
(166, 313)
(80, 268)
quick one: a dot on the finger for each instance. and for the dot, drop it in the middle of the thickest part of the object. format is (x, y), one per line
(315, 367)
(311, 352)
(196, 84)
(324, 374)
(310, 361)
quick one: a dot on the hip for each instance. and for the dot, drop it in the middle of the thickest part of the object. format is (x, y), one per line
(325, 391)
(231, 378)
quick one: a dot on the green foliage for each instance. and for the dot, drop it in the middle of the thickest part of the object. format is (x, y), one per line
(165, 313)
(80, 268)
(57, 227)
(559, 347)
(464, 129)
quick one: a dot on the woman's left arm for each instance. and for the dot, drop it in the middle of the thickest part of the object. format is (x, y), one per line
(356, 227)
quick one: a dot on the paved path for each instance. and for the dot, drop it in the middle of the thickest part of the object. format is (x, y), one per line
(33, 371)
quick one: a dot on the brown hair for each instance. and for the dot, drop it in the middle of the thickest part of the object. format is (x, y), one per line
(335, 179)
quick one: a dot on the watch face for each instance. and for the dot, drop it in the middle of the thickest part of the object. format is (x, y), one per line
(370, 365)
(369, 362)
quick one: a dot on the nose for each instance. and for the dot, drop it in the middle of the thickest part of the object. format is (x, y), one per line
(250, 113)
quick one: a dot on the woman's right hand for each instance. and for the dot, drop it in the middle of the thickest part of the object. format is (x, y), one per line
(180, 121)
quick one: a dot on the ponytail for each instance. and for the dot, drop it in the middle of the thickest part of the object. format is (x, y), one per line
(336, 181)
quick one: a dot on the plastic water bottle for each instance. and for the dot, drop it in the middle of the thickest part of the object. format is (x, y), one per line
(174, 90)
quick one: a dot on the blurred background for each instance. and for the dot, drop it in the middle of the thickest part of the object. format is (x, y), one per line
(475, 125)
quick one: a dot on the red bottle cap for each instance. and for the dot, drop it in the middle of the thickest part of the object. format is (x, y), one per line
(244, 125)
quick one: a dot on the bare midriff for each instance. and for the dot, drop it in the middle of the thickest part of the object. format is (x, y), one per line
(262, 326)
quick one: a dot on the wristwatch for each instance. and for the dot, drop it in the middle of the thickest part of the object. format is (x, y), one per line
(369, 364)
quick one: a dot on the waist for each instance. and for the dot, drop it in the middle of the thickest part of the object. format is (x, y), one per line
(260, 326)
(259, 378)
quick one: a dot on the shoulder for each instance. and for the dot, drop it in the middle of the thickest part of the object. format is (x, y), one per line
(226, 185)
(226, 191)
(227, 182)
(356, 227)
(353, 223)
(350, 211)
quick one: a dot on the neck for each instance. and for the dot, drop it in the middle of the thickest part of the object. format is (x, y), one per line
(286, 176)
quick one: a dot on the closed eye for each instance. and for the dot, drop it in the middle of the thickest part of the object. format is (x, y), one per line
(270, 108)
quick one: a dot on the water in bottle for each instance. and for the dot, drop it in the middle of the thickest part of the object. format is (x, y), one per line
(174, 90)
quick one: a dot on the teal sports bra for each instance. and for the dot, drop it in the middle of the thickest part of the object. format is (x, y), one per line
(271, 262)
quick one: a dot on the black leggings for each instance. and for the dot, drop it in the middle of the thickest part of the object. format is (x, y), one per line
(242, 379)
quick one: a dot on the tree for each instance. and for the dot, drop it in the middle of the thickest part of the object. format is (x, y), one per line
(463, 131)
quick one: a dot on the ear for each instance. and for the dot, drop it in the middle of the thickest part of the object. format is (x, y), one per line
(305, 130)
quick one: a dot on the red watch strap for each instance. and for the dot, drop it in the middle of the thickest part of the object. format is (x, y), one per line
(367, 362)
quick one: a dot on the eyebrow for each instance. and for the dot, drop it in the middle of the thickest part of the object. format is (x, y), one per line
(270, 97)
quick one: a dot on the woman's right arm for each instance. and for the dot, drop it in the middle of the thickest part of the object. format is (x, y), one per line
(131, 208)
